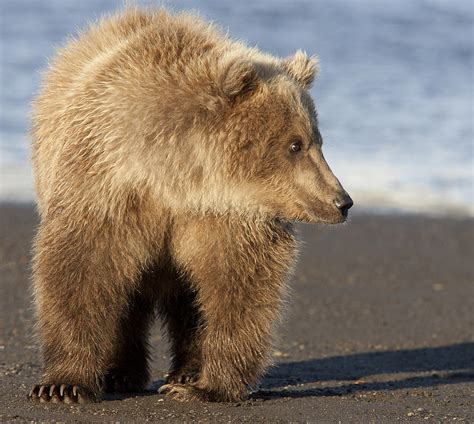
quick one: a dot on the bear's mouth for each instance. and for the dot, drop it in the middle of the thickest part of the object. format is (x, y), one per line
(334, 219)
(322, 213)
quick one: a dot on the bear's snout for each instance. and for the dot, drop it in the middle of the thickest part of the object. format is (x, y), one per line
(344, 202)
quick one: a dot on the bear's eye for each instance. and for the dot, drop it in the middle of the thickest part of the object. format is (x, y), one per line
(295, 146)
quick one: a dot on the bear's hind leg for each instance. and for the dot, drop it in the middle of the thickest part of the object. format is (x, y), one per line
(129, 371)
(182, 319)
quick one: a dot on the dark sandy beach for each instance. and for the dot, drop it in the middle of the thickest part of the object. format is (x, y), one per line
(380, 328)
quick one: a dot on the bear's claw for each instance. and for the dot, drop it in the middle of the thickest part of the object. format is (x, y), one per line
(56, 393)
(182, 377)
(183, 392)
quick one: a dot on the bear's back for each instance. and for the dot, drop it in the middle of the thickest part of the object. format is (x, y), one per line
(118, 48)
(68, 68)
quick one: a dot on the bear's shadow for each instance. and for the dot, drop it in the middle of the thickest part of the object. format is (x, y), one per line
(442, 365)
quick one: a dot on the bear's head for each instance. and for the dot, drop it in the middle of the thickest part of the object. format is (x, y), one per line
(266, 142)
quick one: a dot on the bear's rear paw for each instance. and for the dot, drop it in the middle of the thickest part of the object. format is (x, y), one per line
(66, 393)
(118, 382)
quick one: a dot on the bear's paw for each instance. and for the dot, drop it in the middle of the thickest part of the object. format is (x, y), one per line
(66, 393)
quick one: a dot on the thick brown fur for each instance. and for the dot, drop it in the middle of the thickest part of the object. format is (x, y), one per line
(166, 185)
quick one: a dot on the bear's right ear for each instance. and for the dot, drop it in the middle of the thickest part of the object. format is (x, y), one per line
(238, 77)
(302, 68)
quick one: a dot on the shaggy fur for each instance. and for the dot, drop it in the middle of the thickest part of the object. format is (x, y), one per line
(166, 185)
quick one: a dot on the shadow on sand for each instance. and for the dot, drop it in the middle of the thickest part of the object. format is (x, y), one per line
(445, 365)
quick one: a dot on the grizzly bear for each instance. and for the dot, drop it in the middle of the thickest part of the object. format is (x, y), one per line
(171, 163)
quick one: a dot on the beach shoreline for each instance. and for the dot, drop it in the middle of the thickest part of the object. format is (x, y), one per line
(379, 328)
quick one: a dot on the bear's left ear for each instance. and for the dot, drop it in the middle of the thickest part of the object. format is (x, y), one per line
(237, 77)
(302, 68)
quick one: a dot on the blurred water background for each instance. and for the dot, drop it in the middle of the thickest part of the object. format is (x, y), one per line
(395, 95)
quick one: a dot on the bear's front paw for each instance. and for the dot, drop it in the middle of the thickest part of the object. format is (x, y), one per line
(182, 377)
(184, 393)
(66, 393)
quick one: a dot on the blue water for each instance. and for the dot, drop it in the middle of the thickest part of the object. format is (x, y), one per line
(395, 95)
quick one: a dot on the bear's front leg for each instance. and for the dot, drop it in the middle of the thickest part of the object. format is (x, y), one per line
(83, 283)
(239, 269)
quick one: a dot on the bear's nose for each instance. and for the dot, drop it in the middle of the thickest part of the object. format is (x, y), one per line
(344, 203)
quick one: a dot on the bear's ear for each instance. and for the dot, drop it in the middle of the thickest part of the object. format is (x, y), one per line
(237, 77)
(302, 68)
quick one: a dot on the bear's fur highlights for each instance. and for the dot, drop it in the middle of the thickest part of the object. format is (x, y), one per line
(169, 163)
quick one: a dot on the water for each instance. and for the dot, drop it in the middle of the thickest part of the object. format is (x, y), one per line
(395, 96)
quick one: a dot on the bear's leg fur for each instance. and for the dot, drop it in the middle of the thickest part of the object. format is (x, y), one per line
(129, 371)
(84, 281)
(238, 270)
(180, 314)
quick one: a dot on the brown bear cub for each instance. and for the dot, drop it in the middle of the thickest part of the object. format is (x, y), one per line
(170, 163)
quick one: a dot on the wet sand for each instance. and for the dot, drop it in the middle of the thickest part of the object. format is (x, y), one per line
(380, 328)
